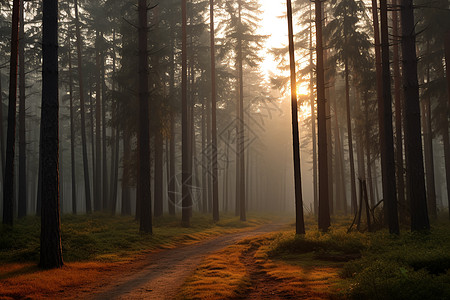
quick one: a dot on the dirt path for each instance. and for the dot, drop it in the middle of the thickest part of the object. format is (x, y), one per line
(263, 286)
(165, 272)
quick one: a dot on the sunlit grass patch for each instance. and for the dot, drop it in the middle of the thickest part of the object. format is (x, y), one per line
(222, 275)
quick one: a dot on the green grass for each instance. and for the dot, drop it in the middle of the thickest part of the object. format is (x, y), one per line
(375, 265)
(112, 238)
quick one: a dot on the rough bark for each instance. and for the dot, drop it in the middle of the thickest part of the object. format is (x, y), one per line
(386, 130)
(8, 182)
(415, 177)
(51, 249)
(398, 100)
(300, 224)
(324, 210)
(143, 134)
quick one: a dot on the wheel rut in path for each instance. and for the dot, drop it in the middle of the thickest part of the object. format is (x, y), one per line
(166, 271)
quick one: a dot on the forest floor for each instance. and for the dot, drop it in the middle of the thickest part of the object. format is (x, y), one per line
(97, 250)
(231, 260)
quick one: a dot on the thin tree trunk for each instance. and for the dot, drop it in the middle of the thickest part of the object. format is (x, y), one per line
(350, 141)
(300, 224)
(143, 133)
(204, 160)
(82, 111)
(72, 132)
(324, 208)
(158, 173)
(172, 192)
(186, 155)
(2, 136)
(50, 250)
(92, 127)
(398, 114)
(428, 153)
(386, 131)
(22, 207)
(98, 133)
(339, 161)
(105, 190)
(313, 114)
(215, 176)
(227, 168)
(240, 138)
(8, 182)
(415, 177)
(126, 189)
(116, 137)
(172, 180)
(379, 74)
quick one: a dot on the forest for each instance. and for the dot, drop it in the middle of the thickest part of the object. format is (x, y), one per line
(246, 149)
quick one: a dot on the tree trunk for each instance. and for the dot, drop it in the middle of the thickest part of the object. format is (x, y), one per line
(98, 133)
(215, 176)
(82, 111)
(386, 131)
(116, 137)
(379, 76)
(171, 183)
(50, 250)
(8, 182)
(354, 202)
(126, 193)
(158, 173)
(240, 124)
(313, 114)
(227, 168)
(143, 133)
(2, 136)
(204, 160)
(92, 127)
(428, 153)
(172, 191)
(324, 208)
(72, 131)
(398, 115)
(340, 173)
(105, 190)
(300, 224)
(22, 208)
(186, 155)
(415, 180)
(445, 116)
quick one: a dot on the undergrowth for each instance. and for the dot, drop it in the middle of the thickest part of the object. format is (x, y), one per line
(375, 265)
(103, 237)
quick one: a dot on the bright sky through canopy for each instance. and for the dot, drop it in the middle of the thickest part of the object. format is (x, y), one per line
(276, 28)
